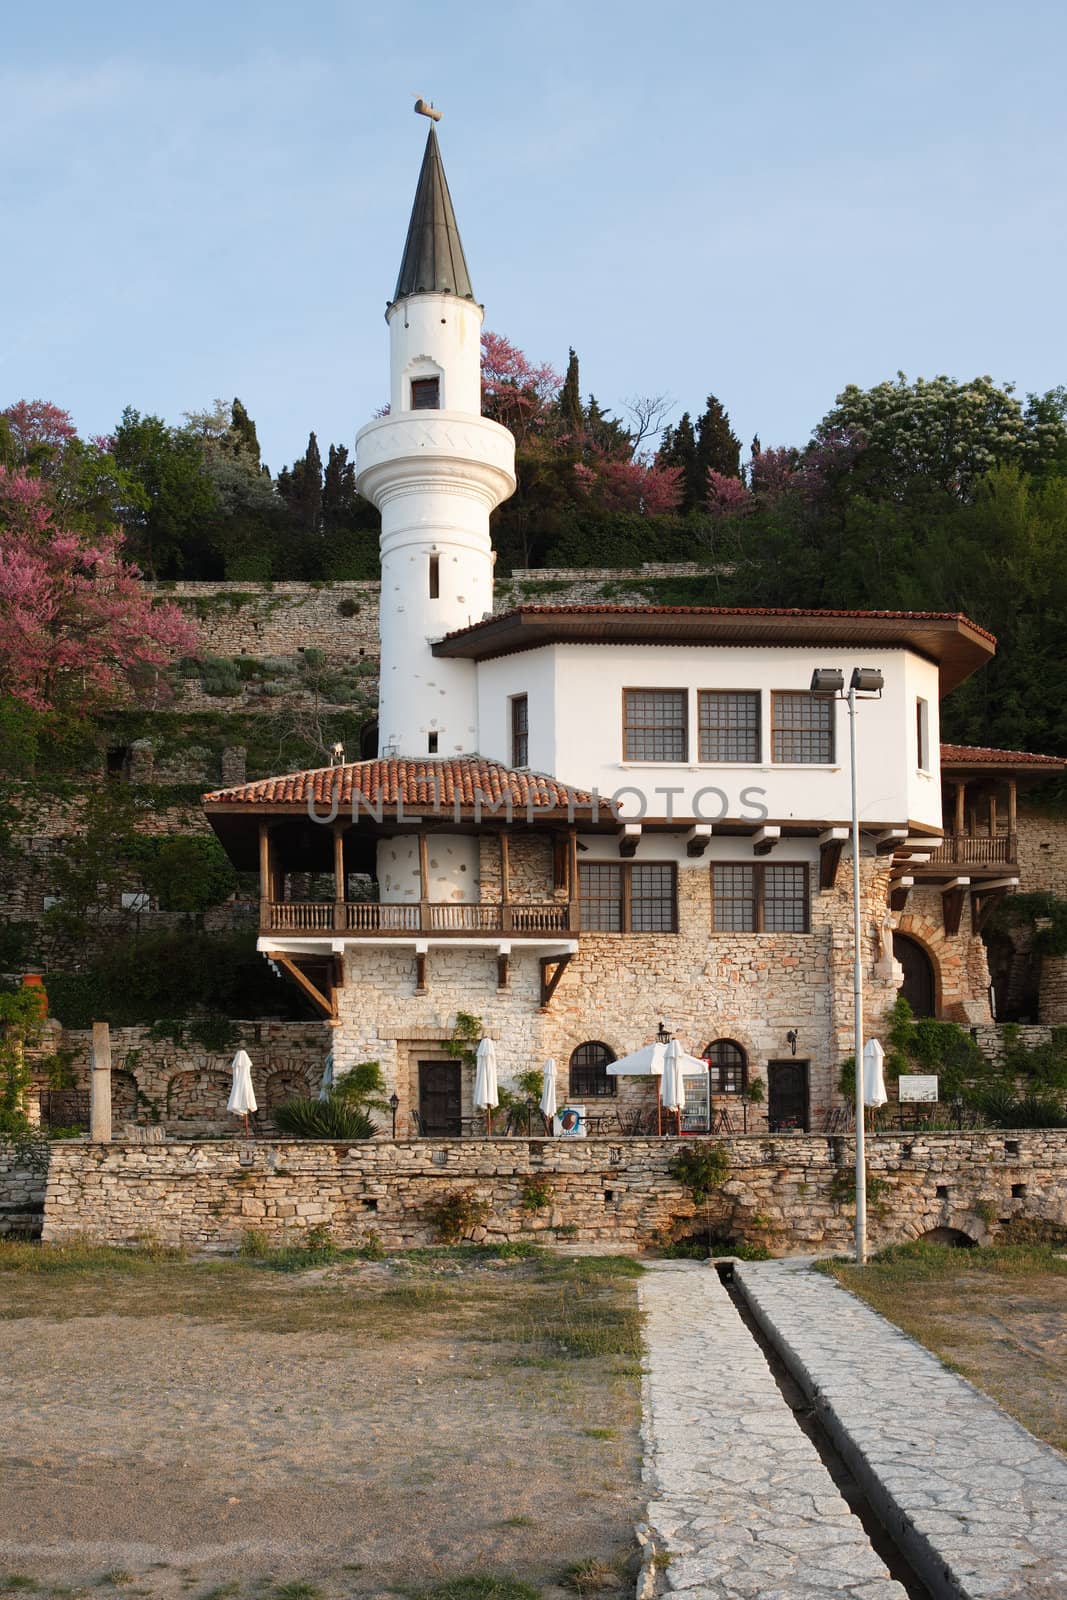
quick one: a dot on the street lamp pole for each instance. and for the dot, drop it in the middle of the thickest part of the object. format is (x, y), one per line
(857, 993)
(829, 683)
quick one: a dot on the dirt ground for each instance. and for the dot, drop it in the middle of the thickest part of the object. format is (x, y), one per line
(997, 1316)
(173, 1428)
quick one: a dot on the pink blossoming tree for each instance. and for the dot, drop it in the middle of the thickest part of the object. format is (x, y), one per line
(78, 628)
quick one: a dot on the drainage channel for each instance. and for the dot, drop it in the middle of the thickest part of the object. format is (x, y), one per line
(806, 1420)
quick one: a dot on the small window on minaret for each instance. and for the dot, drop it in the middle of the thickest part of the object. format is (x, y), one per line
(425, 394)
(435, 577)
(431, 743)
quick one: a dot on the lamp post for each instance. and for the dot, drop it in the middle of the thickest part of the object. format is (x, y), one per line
(828, 683)
(394, 1102)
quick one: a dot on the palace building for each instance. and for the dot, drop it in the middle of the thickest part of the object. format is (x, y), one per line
(584, 821)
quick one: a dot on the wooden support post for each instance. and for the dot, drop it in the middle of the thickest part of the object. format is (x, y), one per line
(505, 867)
(899, 890)
(424, 881)
(1013, 806)
(952, 897)
(959, 825)
(338, 877)
(266, 888)
(100, 1085)
(993, 814)
(831, 844)
(573, 881)
(503, 970)
(552, 970)
(328, 1006)
(420, 972)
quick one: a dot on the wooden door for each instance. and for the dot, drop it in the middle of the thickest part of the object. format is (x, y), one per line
(440, 1101)
(787, 1096)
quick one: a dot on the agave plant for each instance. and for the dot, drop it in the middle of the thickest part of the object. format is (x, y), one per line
(344, 1113)
(332, 1118)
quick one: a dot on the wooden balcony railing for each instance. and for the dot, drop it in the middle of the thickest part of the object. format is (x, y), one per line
(976, 850)
(449, 917)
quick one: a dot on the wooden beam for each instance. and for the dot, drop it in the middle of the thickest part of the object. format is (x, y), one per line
(961, 808)
(898, 893)
(327, 1007)
(420, 972)
(424, 867)
(629, 838)
(1013, 805)
(697, 839)
(550, 978)
(889, 840)
(765, 839)
(505, 868)
(953, 894)
(831, 844)
(992, 813)
(503, 970)
(265, 885)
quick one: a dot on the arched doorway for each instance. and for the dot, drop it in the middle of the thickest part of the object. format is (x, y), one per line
(919, 988)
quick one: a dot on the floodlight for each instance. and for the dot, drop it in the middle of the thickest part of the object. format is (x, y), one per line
(827, 682)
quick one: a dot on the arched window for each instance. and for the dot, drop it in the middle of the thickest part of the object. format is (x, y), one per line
(589, 1070)
(727, 1067)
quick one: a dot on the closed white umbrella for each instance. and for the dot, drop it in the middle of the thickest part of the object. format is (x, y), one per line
(242, 1096)
(548, 1093)
(485, 1091)
(874, 1093)
(672, 1085)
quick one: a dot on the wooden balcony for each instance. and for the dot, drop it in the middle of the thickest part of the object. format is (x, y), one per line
(332, 917)
(976, 850)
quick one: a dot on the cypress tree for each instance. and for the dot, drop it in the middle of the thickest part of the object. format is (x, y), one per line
(243, 431)
(718, 447)
(678, 448)
(570, 397)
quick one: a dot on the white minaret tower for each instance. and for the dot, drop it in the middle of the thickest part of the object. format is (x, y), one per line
(435, 468)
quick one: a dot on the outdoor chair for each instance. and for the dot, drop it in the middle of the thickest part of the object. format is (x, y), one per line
(417, 1124)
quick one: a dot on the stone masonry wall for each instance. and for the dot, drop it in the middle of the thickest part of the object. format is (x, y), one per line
(789, 1193)
(21, 1195)
(184, 1088)
(749, 988)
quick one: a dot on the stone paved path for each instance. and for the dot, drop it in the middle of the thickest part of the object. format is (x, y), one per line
(978, 1503)
(737, 1492)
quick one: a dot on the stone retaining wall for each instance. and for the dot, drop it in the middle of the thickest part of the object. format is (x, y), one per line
(788, 1192)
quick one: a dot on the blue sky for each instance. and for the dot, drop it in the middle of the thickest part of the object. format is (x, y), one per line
(764, 201)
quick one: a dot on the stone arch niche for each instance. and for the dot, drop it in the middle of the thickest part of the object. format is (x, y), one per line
(285, 1083)
(123, 1096)
(920, 985)
(950, 1236)
(199, 1097)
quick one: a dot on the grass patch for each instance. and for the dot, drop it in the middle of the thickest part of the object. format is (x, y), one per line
(15, 1582)
(919, 1262)
(296, 1591)
(599, 1433)
(116, 1577)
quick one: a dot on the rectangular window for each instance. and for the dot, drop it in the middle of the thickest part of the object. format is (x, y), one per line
(425, 394)
(802, 727)
(431, 744)
(729, 724)
(655, 725)
(520, 731)
(628, 897)
(435, 577)
(760, 897)
(922, 734)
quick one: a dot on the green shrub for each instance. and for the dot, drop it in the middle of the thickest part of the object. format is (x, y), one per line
(536, 1194)
(701, 1169)
(457, 1214)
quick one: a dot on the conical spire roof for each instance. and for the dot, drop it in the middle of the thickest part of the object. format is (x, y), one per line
(433, 252)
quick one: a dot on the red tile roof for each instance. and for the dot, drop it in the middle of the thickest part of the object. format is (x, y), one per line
(801, 612)
(980, 755)
(421, 785)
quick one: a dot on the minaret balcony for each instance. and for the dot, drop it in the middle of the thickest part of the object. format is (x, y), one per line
(397, 452)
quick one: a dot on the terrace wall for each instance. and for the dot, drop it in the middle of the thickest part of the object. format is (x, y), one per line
(789, 1192)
